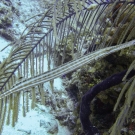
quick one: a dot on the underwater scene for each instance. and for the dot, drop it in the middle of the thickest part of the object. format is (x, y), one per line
(67, 67)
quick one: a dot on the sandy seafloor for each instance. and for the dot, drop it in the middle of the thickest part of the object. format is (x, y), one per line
(31, 122)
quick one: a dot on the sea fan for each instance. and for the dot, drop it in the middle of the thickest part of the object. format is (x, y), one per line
(87, 29)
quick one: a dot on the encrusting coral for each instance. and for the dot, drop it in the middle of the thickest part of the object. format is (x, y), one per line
(6, 19)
